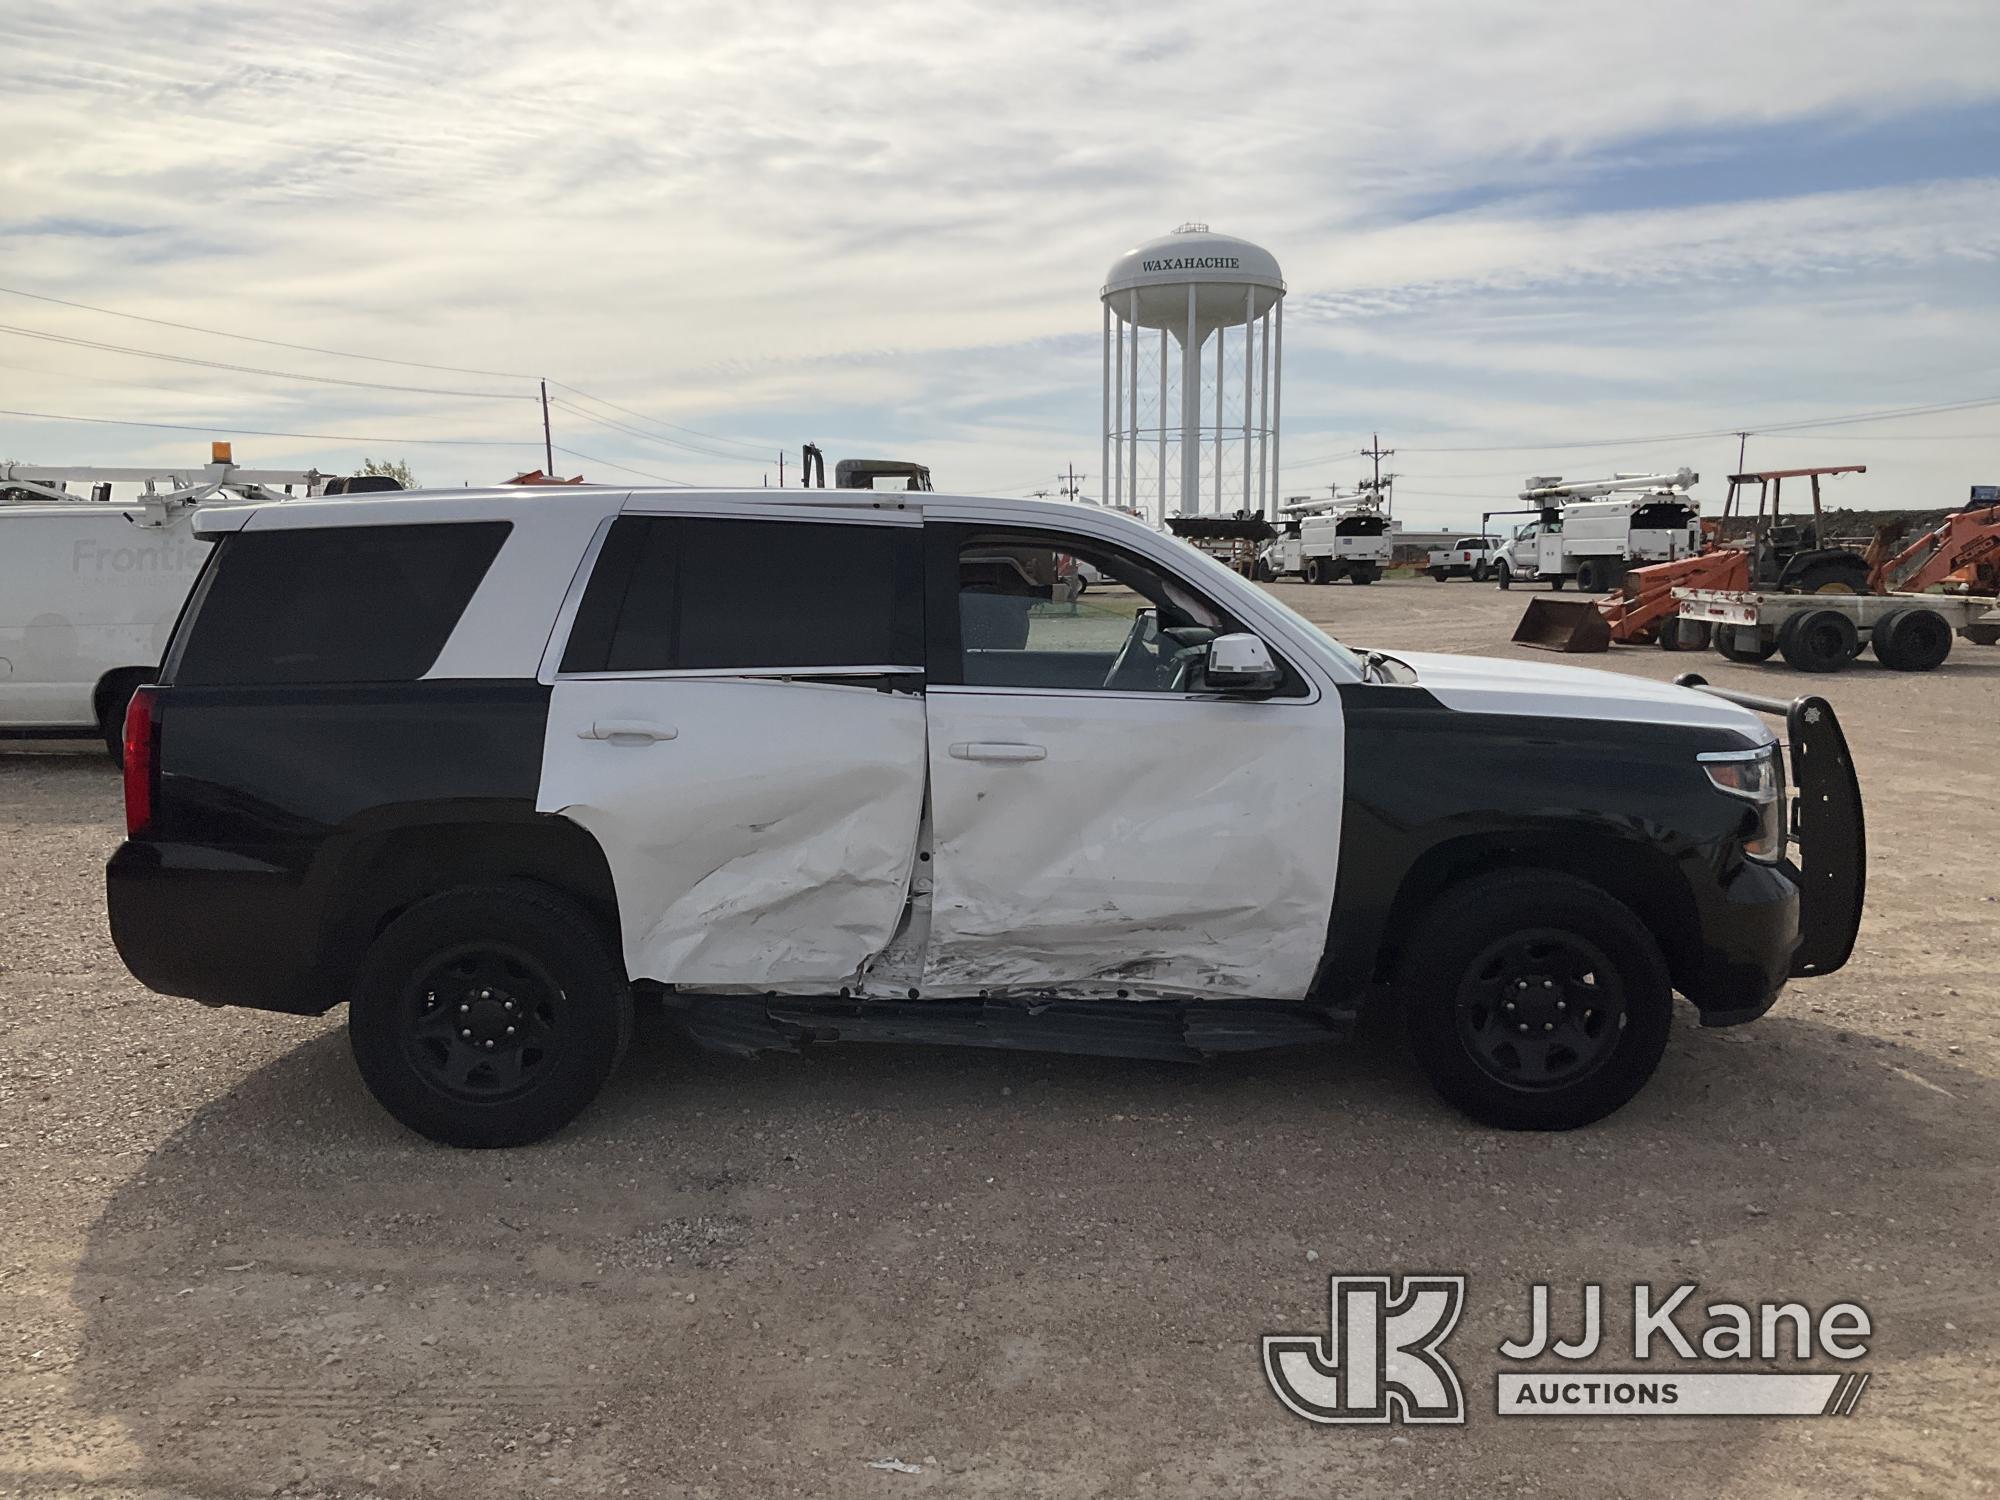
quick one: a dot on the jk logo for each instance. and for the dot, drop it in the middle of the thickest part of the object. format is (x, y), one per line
(1380, 1362)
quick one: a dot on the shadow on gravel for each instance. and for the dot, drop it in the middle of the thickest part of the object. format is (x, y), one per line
(1047, 1274)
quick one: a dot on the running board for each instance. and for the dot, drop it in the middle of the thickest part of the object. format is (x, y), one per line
(1169, 1030)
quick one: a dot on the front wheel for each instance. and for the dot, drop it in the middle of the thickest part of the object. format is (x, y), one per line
(489, 1016)
(1505, 574)
(1440, 574)
(1534, 1001)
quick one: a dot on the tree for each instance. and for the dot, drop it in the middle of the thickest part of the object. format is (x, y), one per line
(395, 468)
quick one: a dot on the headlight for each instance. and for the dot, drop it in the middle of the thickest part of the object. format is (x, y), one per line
(1758, 777)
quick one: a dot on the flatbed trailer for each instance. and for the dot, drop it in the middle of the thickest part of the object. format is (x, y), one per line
(1824, 632)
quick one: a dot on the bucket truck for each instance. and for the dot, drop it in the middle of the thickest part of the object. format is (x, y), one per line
(1580, 532)
(1344, 536)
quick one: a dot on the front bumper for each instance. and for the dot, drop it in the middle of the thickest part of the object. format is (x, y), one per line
(1829, 834)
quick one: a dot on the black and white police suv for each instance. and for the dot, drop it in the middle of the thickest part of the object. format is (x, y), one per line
(829, 764)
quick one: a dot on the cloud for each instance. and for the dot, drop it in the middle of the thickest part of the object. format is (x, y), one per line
(884, 226)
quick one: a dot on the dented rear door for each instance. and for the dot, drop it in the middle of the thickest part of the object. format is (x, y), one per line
(737, 718)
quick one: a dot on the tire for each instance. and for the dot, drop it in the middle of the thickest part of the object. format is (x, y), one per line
(1504, 573)
(1439, 574)
(1563, 952)
(1820, 640)
(1589, 579)
(1882, 641)
(1832, 578)
(113, 697)
(1310, 571)
(1479, 572)
(516, 951)
(1677, 634)
(1265, 572)
(1763, 651)
(1556, 581)
(1983, 635)
(1918, 640)
(1363, 574)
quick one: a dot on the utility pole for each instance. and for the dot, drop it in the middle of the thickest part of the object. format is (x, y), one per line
(1742, 442)
(548, 443)
(1067, 483)
(781, 468)
(1376, 451)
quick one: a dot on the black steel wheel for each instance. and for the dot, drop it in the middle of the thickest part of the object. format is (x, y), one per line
(1918, 640)
(489, 1016)
(1533, 1000)
(1820, 640)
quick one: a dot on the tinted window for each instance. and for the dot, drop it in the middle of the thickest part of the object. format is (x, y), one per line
(689, 593)
(333, 603)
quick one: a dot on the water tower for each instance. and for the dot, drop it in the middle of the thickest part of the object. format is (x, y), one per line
(1188, 431)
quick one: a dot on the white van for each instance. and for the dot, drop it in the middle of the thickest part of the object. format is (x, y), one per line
(90, 586)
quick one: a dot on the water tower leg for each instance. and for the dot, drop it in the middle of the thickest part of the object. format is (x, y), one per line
(1104, 444)
(1266, 501)
(1278, 402)
(1161, 417)
(1113, 484)
(1132, 402)
(1191, 414)
(1249, 347)
(1221, 337)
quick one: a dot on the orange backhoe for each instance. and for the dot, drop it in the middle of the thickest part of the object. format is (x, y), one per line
(1740, 551)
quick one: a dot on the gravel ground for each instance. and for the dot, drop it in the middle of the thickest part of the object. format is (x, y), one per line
(225, 1272)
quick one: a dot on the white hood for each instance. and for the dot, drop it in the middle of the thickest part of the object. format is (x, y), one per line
(1497, 685)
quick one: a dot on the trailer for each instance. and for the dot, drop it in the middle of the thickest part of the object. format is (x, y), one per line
(1580, 531)
(1824, 632)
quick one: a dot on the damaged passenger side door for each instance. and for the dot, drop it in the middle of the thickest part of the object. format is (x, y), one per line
(737, 717)
(1104, 823)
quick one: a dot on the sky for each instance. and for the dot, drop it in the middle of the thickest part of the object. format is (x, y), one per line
(721, 230)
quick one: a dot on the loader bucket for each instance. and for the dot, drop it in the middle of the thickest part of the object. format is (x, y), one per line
(1563, 625)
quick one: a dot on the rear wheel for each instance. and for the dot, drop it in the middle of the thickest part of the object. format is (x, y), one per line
(1677, 634)
(1589, 577)
(1363, 573)
(1534, 1001)
(1912, 640)
(1832, 576)
(1479, 572)
(1820, 640)
(489, 1016)
(113, 697)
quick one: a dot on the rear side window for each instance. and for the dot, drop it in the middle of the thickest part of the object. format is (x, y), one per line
(332, 603)
(693, 593)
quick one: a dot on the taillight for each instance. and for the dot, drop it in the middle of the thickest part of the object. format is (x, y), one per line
(142, 747)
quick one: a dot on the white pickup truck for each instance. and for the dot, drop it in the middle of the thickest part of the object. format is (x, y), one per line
(1468, 557)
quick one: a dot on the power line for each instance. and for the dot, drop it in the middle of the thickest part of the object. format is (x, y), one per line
(328, 437)
(643, 474)
(412, 364)
(212, 364)
(734, 458)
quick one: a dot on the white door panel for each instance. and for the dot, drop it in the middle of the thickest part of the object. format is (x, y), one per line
(1086, 843)
(757, 830)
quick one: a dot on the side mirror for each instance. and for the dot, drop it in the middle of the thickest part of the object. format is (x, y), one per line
(1240, 663)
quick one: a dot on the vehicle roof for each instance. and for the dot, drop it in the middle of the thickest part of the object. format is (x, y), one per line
(407, 506)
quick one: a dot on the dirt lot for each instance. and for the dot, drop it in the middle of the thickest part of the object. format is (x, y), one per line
(225, 1272)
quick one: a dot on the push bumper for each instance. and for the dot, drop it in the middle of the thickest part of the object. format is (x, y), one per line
(211, 925)
(1829, 840)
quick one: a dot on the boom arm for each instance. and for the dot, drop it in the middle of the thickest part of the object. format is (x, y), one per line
(1548, 490)
(1968, 539)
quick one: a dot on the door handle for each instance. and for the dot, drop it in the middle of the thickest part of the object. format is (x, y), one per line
(975, 750)
(626, 731)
